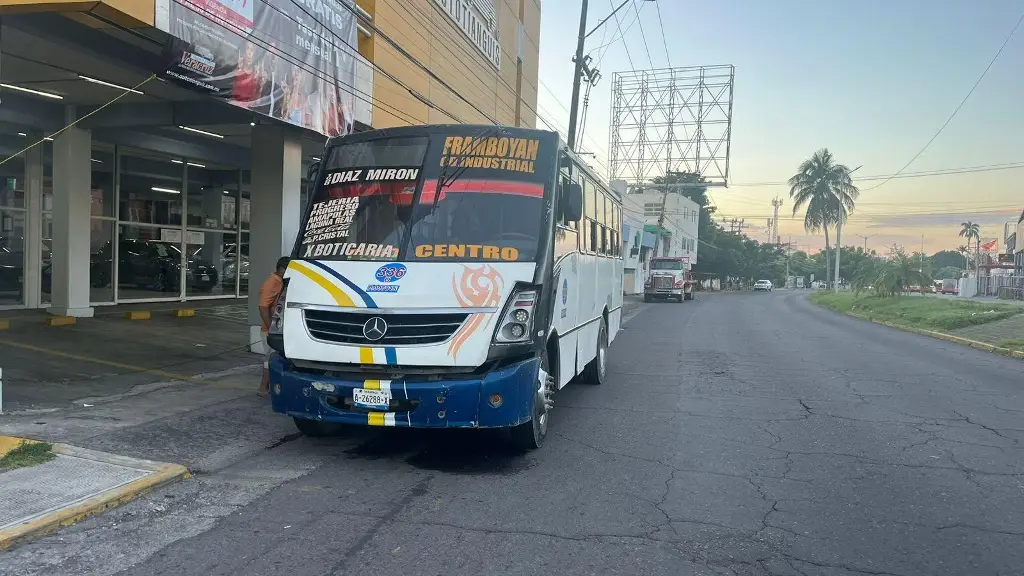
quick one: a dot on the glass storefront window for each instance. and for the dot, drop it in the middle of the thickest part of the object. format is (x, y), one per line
(211, 263)
(150, 188)
(103, 181)
(12, 188)
(101, 264)
(12, 257)
(210, 202)
(243, 265)
(148, 262)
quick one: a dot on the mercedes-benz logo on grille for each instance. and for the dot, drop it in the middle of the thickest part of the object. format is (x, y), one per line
(375, 328)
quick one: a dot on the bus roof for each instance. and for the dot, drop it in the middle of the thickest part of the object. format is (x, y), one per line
(422, 129)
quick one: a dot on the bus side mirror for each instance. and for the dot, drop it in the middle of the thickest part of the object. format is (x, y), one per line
(314, 169)
(573, 203)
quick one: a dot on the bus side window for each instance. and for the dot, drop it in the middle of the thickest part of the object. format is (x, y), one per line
(605, 218)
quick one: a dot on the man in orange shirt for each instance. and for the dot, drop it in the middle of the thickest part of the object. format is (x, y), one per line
(269, 292)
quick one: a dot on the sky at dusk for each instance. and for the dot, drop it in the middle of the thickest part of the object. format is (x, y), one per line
(872, 81)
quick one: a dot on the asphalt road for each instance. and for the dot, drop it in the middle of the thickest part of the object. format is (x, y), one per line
(738, 434)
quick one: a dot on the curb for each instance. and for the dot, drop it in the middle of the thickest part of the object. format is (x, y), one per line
(940, 336)
(162, 475)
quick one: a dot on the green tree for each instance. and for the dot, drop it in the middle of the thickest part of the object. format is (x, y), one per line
(948, 272)
(826, 189)
(944, 258)
(898, 273)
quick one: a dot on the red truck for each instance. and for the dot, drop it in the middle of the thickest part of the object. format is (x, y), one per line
(669, 279)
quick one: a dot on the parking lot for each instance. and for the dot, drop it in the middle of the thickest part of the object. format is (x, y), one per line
(46, 367)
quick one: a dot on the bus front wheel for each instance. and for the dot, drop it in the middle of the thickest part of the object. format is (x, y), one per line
(530, 435)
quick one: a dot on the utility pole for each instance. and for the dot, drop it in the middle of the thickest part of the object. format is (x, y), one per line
(921, 270)
(789, 258)
(866, 240)
(776, 203)
(577, 76)
(582, 68)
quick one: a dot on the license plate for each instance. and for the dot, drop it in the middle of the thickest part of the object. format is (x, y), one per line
(375, 399)
(204, 277)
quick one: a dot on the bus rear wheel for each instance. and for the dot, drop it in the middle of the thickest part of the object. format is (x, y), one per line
(595, 372)
(530, 435)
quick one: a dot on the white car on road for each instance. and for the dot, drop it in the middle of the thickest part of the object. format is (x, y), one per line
(763, 286)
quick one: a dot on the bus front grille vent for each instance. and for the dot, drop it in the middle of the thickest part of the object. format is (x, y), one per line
(365, 329)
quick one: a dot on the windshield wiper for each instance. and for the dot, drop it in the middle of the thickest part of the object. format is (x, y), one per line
(444, 179)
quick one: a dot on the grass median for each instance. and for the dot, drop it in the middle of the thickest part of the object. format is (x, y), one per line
(921, 312)
(25, 455)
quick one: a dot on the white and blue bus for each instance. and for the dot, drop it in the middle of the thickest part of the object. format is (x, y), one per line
(447, 276)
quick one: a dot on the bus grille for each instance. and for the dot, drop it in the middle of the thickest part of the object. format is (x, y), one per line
(662, 281)
(402, 329)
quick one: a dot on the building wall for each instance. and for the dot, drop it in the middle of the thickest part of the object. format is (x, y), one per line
(634, 257)
(468, 88)
(682, 217)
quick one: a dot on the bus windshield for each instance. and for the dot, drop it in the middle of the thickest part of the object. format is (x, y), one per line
(378, 201)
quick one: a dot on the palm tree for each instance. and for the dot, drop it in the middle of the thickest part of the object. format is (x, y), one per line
(964, 251)
(897, 274)
(827, 190)
(971, 231)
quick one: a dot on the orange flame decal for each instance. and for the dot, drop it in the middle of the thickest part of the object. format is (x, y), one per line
(479, 287)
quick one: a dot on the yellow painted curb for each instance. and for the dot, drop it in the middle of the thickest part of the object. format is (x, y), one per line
(60, 320)
(8, 443)
(138, 315)
(184, 312)
(163, 474)
(943, 336)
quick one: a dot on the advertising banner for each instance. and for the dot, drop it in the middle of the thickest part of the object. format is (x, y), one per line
(294, 60)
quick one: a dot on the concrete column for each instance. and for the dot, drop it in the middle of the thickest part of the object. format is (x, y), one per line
(32, 281)
(273, 209)
(72, 205)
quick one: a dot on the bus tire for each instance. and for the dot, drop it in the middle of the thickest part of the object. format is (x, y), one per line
(530, 435)
(316, 428)
(596, 370)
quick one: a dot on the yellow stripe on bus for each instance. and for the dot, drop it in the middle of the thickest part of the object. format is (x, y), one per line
(371, 384)
(375, 418)
(342, 299)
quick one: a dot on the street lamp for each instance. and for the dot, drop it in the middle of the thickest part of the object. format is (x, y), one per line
(581, 65)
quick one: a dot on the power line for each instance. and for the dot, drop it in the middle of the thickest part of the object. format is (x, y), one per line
(957, 109)
(618, 24)
(921, 174)
(664, 40)
(448, 40)
(644, 36)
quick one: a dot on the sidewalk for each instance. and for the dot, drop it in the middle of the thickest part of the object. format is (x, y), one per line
(111, 449)
(76, 483)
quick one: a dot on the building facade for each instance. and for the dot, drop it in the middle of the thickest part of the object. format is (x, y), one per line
(678, 216)
(635, 255)
(1018, 256)
(145, 161)
(481, 59)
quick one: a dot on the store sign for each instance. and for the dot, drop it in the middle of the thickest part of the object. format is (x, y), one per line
(474, 25)
(294, 60)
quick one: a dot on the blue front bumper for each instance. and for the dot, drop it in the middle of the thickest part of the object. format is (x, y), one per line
(419, 403)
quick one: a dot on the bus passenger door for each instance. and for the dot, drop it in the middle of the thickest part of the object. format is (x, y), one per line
(566, 294)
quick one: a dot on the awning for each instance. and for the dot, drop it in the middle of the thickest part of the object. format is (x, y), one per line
(655, 229)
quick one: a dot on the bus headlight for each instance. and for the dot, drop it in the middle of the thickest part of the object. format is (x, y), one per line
(517, 322)
(277, 313)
